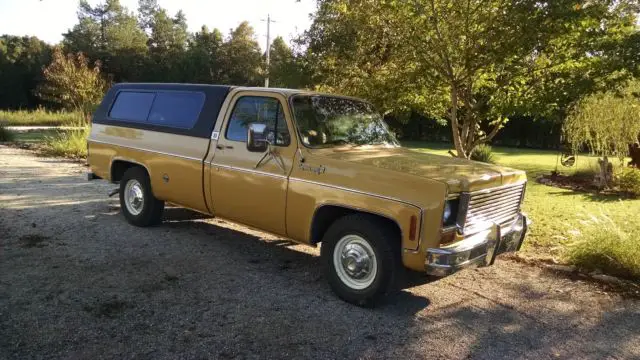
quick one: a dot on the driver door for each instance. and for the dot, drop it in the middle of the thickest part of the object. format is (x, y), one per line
(250, 187)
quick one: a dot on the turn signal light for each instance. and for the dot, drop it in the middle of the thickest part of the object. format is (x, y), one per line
(413, 227)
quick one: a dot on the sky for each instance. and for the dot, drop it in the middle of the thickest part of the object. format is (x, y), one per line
(49, 19)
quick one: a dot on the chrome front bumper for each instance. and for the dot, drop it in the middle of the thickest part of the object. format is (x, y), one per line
(479, 249)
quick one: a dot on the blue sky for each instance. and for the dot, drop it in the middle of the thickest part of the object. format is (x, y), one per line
(49, 19)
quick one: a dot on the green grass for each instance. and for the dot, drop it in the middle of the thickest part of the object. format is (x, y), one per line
(557, 212)
(40, 117)
(600, 243)
(35, 136)
(71, 143)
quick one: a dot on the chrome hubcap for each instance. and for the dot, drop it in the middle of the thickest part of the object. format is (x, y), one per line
(355, 262)
(133, 197)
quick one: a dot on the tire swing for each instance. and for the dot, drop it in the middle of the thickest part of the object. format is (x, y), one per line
(565, 157)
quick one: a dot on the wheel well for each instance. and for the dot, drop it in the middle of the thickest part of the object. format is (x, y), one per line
(328, 214)
(119, 167)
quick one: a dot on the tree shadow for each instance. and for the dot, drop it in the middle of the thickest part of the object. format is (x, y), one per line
(591, 196)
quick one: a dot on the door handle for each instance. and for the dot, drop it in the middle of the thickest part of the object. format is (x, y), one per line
(222, 147)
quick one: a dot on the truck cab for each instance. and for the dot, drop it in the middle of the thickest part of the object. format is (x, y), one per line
(314, 168)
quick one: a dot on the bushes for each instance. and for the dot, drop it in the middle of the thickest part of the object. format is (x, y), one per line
(483, 153)
(41, 117)
(5, 134)
(72, 143)
(603, 245)
(628, 180)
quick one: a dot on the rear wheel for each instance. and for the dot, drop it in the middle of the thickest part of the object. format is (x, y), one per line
(361, 257)
(137, 202)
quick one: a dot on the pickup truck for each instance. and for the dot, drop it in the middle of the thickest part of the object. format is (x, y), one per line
(311, 167)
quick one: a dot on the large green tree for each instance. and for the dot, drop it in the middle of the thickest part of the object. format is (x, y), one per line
(21, 62)
(205, 57)
(474, 62)
(606, 123)
(242, 57)
(286, 69)
(109, 32)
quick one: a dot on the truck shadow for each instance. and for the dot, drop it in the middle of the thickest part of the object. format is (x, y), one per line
(284, 254)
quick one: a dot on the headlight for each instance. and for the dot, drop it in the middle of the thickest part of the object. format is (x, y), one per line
(450, 213)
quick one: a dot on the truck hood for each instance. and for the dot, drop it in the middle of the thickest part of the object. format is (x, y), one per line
(459, 174)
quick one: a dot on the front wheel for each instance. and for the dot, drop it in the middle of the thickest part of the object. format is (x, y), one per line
(361, 258)
(137, 202)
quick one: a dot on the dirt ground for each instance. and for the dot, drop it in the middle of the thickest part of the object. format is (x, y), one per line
(78, 282)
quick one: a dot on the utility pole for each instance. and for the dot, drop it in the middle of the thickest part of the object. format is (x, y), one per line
(269, 21)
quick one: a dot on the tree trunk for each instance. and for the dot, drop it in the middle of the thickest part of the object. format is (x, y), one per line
(606, 172)
(455, 126)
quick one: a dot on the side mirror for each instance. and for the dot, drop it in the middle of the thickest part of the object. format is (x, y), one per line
(257, 137)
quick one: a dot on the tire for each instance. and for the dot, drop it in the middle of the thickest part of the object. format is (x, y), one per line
(146, 212)
(364, 234)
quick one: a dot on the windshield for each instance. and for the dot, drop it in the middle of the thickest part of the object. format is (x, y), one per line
(327, 121)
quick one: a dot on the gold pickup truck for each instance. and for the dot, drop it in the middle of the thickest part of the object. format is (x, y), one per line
(311, 167)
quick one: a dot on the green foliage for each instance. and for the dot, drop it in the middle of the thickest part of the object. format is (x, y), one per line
(483, 153)
(21, 63)
(5, 134)
(443, 58)
(601, 244)
(242, 57)
(72, 83)
(287, 70)
(628, 180)
(40, 117)
(71, 144)
(606, 122)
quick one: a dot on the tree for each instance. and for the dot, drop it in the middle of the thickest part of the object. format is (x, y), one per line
(167, 46)
(477, 61)
(286, 69)
(21, 62)
(146, 11)
(71, 82)
(204, 56)
(242, 57)
(110, 33)
(606, 123)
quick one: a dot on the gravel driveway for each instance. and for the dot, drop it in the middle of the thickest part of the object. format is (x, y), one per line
(78, 282)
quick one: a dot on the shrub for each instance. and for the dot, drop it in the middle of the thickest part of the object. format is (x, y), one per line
(628, 180)
(603, 245)
(483, 153)
(71, 144)
(5, 134)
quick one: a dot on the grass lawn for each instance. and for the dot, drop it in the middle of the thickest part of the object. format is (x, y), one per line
(35, 136)
(555, 212)
(40, 117)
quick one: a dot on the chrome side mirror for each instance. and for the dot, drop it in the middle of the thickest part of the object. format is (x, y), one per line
(257, 137)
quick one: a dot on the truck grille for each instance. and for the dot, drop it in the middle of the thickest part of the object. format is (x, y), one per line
(491, 206)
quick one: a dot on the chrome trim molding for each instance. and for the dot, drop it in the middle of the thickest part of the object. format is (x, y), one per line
(251, 171)
(495, 188)
(480, 249)
(145, 150)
